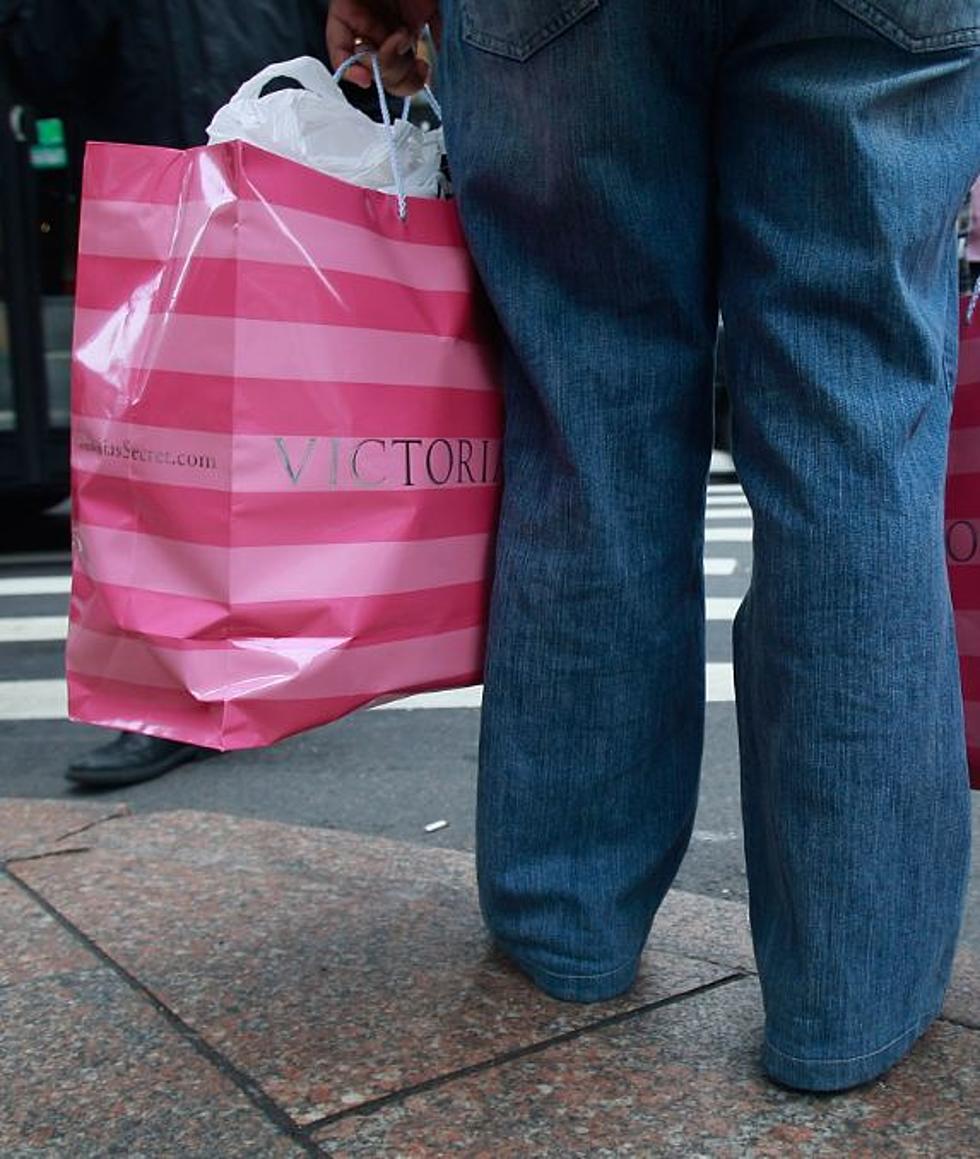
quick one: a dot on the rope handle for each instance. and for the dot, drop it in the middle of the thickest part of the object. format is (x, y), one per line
(396, 168)
(426, 90)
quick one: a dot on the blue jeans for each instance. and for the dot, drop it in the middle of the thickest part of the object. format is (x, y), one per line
(625, 169)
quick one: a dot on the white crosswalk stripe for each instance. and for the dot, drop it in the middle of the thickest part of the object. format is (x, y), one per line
(33, 700)
(725, 489)
(31, 629)
(728, 535)
(720, 689)
(715, 513)
(721, 608)
(46, 699)
(35, 585)
(719, 566)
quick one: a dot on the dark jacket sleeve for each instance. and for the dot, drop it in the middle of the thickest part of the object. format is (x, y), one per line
(53, 42)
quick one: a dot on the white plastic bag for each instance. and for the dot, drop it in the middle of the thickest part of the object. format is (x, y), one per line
(317, 126)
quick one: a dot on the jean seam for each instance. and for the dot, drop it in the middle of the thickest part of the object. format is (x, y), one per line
(567, 16)
(855, 1057)
(883, 23)
(579, 977)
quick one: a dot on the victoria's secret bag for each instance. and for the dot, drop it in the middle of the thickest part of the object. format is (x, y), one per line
(963, 528)
(285, 447)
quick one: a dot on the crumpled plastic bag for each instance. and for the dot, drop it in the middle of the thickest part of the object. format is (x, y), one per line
(317, 126)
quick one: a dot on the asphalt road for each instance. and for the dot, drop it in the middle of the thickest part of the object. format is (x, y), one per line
(390, 772)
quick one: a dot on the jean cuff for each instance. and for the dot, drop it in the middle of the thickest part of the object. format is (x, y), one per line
(839, 1074)
(577, 987)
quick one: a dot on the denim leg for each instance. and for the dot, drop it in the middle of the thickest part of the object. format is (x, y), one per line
(842, 160)
(579, 140)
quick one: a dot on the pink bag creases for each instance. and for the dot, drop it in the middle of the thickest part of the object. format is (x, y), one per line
(285, 447)
(963, 528)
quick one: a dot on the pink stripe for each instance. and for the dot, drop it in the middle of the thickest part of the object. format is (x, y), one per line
(171, 400)
(970, 677)
(230, 726)
(107, 608)
(254, 231)
(218, 173)
(177, 716)
(199, 515)
(109, 283)
(429, 220)
(140, 172)
(290, 465)
(968, 632)
(963, 496)
(164, 398)
(972, 714)
(154, 711)
(964, 451)
(294, 669)
(968, 373)
(966, 405)
(251, 348)
(261, 574)
(224, 287)
(964, 585)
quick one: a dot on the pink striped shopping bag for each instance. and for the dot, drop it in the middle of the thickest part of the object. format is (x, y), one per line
(285, 447)
(963, 528)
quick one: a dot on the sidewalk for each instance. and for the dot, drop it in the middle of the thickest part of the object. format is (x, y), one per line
(193, 984)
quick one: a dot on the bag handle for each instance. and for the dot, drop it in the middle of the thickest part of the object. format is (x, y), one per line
(396, 170)
(430, 96)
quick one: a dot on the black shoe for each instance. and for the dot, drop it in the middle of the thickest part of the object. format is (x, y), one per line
(130, 759)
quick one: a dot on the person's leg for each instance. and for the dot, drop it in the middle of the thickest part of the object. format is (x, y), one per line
(843, 159)
(583, 181)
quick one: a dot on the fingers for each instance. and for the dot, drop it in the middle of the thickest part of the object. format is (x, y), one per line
(352, 26)
(403, 72)
(355, 25)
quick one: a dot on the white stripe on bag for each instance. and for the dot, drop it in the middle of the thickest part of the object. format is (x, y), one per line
(33, 629)
(137, 229)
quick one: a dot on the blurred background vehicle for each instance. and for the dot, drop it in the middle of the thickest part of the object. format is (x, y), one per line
(142, 71)
(38, 238)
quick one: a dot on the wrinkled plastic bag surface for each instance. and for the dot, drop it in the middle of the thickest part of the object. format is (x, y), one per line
(318, 127)
(285, 448)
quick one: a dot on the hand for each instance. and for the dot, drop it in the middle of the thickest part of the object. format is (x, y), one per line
(390, 27)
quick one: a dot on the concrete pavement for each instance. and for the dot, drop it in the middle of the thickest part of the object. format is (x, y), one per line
(196, 984)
